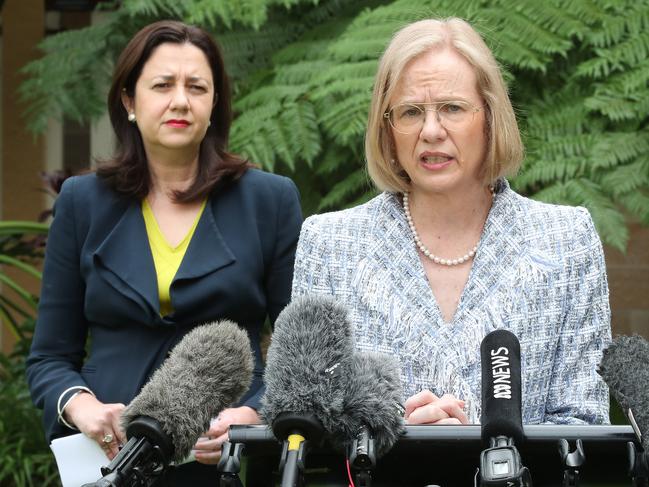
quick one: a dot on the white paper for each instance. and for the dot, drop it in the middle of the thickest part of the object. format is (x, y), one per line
(79, 459)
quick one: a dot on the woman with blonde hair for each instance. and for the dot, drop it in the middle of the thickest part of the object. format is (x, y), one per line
(449, 252)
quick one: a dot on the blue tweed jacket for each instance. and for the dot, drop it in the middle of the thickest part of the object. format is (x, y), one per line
(539, 272)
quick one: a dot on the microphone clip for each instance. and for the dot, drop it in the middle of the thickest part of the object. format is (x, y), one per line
(501, 465)
(572, 461)
(361, 454)
(229, 465)
(638, 465)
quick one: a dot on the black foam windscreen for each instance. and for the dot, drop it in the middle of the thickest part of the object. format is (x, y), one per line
(209, 369)
(625, 369)
(308, 361)
(501, 386)
(373, 398)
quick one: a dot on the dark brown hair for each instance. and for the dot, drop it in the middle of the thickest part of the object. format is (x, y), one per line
(127, 172)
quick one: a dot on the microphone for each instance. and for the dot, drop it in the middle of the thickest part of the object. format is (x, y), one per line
(372, 419)
(209, 369)
(306, 368)
(625, 369)
(502, 425)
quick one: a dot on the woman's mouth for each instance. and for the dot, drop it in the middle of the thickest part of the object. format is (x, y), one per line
(435, 162)
(177, 123)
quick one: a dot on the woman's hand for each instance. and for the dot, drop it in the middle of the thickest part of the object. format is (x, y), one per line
(426, 408)
(209, 450)
(98, 421)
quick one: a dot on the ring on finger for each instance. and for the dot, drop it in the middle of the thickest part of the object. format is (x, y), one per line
(108, 438)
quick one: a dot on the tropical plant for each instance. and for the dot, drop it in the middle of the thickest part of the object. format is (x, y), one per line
(25, 459)
(303, 70)
(21, 246)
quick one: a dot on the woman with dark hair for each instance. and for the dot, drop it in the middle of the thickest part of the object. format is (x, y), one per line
(173, 232)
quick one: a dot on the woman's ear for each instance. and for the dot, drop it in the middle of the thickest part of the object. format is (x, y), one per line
(127, 101)
(216, 99)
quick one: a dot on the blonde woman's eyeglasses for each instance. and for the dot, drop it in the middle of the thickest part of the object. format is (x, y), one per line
(407, 118)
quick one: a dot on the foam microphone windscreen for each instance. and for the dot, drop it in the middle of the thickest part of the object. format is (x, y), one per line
(625, 369)
(501, 386)
(373, 399)
(307, 361)
(209, 369)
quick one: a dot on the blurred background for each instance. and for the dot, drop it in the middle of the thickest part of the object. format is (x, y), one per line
(302, 73)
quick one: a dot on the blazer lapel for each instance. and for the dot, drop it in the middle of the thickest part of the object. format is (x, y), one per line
(207, 251)
(126, 257)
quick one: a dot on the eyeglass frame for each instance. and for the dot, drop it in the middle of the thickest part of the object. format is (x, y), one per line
(474, 109)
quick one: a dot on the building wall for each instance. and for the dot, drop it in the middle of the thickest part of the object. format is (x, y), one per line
(628, 279)
(22, 153)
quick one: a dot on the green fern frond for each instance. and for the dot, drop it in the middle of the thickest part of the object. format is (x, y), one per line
(355, 182)
(561, 113)
(526, 31)
(637, 202)
(253, 13)
(271, 93)
(614, 21)
(344, 87)
(154, 8)
(301, 121)
(246, 51)
(619, 107)
(301, 51)
(299, 73)
(628, 178)
(344, 121)
(614, 148)
(540, 172)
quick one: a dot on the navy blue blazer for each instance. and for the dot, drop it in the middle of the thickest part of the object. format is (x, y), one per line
(99, 282)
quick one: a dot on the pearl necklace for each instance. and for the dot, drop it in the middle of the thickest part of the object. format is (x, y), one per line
(424, 250)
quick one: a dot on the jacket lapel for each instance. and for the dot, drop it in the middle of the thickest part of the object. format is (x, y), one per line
(207, 251)
(125, 256)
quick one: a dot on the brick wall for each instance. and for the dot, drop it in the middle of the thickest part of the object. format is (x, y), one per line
(628, 279)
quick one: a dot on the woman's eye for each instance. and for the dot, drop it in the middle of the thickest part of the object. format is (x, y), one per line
(198, 88)
(452, 108)
(410, 112)
(161, 85)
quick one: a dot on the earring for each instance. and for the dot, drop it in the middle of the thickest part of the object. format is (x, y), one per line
(131, 117)
(209, 123)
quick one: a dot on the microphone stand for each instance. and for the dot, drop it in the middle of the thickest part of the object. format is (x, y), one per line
(143, 461)
(298, 429)
(230, 464)
(638, 465)
(572, 461)
(501, 465)
(362, 457)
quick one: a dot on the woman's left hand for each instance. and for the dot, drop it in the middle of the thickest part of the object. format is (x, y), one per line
(208, 450)
(426, 408)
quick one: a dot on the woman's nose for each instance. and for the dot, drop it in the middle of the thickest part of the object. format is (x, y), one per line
(432, 127)
(179, 99)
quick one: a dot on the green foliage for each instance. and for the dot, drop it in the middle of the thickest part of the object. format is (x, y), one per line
(25, 459)
(303, 69)
(21, 245)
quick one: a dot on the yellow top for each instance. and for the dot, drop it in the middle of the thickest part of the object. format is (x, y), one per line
(166, 258)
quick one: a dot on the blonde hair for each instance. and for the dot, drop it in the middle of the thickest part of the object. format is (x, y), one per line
(505, 148)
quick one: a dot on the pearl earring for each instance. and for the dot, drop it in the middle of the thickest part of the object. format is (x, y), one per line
(131, 117)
